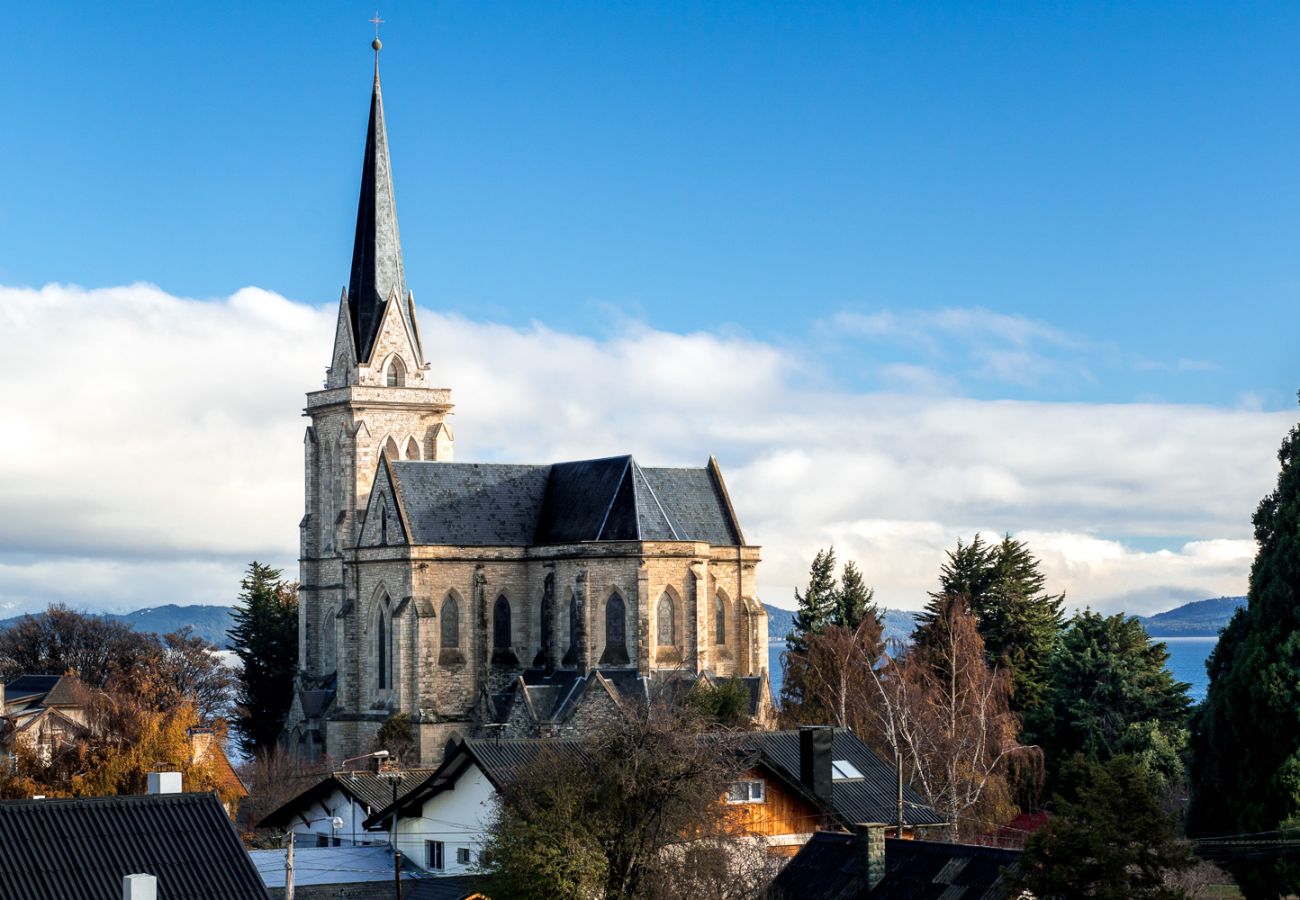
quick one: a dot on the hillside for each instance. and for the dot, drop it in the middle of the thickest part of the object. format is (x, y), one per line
(1201, 618)
(209, 622)
(898, 623)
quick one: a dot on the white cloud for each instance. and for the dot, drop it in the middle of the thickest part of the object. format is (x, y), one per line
(152, 445)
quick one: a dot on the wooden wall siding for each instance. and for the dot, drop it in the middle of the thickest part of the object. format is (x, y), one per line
(780, 813)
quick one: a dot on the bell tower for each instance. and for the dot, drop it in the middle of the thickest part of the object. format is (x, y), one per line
(378, 398)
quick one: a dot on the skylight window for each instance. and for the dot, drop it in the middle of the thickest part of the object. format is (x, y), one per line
(843, 770)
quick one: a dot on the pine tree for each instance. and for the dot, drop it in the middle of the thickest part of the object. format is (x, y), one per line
(816, 607)
(265, 637)
(1020, 622)
(855, 601)
(1246, 735)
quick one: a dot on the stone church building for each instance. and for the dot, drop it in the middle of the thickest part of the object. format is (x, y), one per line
(531, 599)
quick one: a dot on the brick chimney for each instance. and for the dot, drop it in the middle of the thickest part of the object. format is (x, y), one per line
(815, 742)
(869, 841)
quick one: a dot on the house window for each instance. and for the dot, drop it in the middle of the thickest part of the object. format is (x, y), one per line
(433, 856)
(462, 856)
(745, 792)
(843, 770)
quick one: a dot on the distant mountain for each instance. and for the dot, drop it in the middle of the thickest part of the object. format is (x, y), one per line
(209, 622)
(898, 623)
(1201, 618)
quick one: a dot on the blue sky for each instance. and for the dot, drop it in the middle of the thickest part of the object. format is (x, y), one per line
(911, 271)
(1127, 175)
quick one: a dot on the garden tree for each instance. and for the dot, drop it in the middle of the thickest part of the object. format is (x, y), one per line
(817, 606)
(944, 714)
(265, 637)
(1245, 761)
(180, 667)
(62, 640)
(623, 813)
(836, 684)
(724, 703)
(855, 601)
(1110, 838)
(1110, 692)
(1019, 621)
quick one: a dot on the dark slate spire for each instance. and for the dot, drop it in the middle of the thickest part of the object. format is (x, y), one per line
(377, 272)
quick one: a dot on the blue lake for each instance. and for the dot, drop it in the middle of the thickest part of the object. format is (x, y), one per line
(1187, 657)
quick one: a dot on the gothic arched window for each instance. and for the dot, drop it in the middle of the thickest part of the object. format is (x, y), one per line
(383, 524)
(615, 632)
(547, 655)
(450, 624)
(327, 648)
(719, 620)
(396, 373)
(571, 654)
(666, 615)
(501, 624)
(383, 660)
(390, 447)
(412, 449)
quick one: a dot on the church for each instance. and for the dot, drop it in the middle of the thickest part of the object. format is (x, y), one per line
(526, 600)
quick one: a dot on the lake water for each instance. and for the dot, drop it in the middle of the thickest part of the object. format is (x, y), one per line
(1187, 657)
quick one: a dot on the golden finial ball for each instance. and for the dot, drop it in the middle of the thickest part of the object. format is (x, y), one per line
(377, 45)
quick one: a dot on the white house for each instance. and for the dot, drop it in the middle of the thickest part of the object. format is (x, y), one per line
(350, 796)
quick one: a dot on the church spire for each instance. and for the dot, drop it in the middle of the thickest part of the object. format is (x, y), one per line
(377, 273)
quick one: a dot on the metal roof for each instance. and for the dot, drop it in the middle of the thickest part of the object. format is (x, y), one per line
(872, 799)
(82, 848)
(328, 865)
(365, 787)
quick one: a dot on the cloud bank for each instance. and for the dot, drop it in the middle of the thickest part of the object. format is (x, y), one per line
(151, 447)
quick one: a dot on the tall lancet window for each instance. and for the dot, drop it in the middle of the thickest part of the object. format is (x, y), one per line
(383, 646)
(501, 624)
(450, 622)
(666, 614)
(571, 654)
(615, 632)
(396, 373)
(383, 524)
(719, 620)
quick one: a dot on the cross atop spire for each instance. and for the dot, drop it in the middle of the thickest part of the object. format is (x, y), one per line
(378, 276)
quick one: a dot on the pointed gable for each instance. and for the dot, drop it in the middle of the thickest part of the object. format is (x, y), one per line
(385, 522)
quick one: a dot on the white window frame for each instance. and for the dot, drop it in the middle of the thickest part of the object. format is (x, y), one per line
(754, 790)
(435, 855)
(843, 770)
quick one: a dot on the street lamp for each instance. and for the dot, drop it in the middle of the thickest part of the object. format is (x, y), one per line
(374, 754)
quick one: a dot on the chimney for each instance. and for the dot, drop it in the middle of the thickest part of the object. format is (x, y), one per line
(869, 841)
(164, 782)
(139, 887)
(815, 759)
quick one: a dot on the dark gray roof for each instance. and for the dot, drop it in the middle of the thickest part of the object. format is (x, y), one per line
(377, 271)
(613, 499)
(25, 686)
(444, 887)
(929, 870)
(82, 848)
(831, 866)
(367, 788)
(874, 798)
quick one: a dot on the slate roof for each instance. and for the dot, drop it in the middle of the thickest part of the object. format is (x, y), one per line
(874, 798)
(612, 499)
(831, 867)
(29, 690)
(366, 788)
(81, 848)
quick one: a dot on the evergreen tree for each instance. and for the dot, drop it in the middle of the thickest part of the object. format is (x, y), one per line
(1110, 692)
(1110, 839)
(1019, 621)
(1246, 735)
(817, 606)
(855, 601)
(265, 637)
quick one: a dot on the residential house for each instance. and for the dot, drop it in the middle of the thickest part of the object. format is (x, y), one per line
(352, 796)
(85, 848)
(799, 781)
(41, 712)
(866, 865)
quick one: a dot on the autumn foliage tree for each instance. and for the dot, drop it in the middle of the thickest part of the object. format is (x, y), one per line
(944, 713)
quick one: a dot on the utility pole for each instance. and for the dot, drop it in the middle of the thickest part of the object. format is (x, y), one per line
(288, 870)
(397, 874)
(898, 761)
